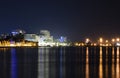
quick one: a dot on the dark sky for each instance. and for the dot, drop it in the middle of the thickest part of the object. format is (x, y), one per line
(76, 19)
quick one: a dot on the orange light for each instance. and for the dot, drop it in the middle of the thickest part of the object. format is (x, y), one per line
(101, 40)
(117, 39)
(113, 40)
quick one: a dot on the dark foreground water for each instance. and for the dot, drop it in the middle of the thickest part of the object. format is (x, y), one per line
(60, 62)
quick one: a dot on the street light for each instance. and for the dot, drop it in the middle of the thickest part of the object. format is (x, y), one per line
(87, 40)
(113, 40)
(106, 41)
(117, 39)
(101, 40)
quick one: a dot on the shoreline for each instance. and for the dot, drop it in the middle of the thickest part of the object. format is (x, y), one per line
(51, 46)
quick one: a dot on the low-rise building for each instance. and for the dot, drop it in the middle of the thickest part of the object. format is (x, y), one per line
(31, 37)
(45, 39)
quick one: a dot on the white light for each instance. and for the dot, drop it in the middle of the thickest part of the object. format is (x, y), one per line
(118, 44)
(87, 40)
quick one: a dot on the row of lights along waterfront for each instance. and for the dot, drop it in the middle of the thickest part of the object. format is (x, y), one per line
(100, 42)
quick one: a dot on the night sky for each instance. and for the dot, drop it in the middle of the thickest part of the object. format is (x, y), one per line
(76, 19)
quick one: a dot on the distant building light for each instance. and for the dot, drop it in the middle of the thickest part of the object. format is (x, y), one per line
(14, 33)
(18, 31)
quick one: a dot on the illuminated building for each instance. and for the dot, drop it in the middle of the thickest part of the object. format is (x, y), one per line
(18, 31)
(45, 39)
(19, 38)
(31, 37)
(45, 33)
(62, 39)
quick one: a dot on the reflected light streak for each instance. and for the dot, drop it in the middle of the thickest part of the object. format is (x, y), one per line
(46, 67)
(100, 55)
(87, 63)
(113, 54)
(117, 54)
(100, 65)
(106, 54)
(61, 62)
(13, 63)
(113, 68)
(40, 63)
(106, 69)
(117, 65)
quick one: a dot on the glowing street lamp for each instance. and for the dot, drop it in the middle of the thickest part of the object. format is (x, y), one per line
(94, 44)
(106, 41)
(101, 40)
(117, 39)
(87, 40)
(113, 40)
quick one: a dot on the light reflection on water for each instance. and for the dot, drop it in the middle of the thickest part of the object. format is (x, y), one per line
(87, 63)
(60, 62)
(41, 63)
(118, 64)
(13, 63)
(113, 65)
(100, 65)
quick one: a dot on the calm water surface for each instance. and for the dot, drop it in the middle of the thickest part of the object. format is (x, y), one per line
(60, 62)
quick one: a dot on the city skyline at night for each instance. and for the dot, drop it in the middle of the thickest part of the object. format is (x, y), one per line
(75, 19)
